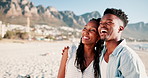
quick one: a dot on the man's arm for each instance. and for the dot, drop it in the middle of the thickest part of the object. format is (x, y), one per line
(61, 73)
(132, 67)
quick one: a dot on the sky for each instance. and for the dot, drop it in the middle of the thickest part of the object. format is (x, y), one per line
(137, 10)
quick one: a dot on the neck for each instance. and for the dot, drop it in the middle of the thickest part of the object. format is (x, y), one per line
(88, 51)
(111, 45)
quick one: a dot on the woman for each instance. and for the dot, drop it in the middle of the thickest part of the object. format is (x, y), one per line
(84, 63)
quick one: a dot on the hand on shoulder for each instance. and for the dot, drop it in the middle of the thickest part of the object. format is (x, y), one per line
(65, 51)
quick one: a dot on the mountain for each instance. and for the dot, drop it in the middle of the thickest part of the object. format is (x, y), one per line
(16, 12)
(136, 31)
(88, 16)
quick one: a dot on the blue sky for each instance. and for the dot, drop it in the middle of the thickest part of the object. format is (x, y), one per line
(137, 10)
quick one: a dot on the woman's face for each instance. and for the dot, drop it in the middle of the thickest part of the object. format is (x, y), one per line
(90, 33)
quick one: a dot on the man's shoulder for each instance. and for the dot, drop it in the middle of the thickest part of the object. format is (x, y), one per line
(128, 53)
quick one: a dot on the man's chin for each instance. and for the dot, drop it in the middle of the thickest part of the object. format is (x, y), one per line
(103, 38)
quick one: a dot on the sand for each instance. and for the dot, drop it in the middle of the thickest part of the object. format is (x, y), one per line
(37, 59)
(144, 55)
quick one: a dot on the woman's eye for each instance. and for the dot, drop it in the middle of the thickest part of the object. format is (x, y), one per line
(93, 30)
(84, 28)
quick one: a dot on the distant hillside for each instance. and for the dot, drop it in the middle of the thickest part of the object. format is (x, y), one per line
(136, 31)
(16, 12)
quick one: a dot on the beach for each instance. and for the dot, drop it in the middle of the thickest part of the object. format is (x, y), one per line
(37, 59)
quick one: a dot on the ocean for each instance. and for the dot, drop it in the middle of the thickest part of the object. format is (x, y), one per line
(142, 46)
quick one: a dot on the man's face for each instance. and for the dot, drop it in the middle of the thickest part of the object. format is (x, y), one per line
(109, 27)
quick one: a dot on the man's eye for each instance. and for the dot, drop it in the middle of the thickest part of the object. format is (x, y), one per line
(109, 22)
(101, 23)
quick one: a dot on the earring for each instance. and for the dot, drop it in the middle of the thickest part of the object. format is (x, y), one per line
(95, 48)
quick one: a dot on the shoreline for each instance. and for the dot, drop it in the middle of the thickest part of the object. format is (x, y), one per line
(30, 41)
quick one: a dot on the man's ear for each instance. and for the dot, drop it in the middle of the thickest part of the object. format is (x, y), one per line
(121, 28)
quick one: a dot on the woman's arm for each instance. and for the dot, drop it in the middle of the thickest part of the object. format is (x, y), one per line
(61, 73)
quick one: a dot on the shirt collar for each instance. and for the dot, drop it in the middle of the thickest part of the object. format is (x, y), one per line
(119, 48)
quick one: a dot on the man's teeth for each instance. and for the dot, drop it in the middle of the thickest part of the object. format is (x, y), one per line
(103, 31)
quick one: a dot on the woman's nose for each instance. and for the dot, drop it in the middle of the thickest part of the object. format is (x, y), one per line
(86, 32)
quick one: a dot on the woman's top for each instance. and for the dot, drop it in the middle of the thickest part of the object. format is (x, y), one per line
(73, 72)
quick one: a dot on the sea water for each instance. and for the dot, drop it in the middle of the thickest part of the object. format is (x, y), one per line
(139, 46)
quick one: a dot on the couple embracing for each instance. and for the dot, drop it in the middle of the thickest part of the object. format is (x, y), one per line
(101, 52)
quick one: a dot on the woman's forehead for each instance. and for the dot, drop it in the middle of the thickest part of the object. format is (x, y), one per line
(92, 23)
(91, 26)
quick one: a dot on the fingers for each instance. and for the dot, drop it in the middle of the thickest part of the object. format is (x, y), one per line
(62, 53)
(65, 49)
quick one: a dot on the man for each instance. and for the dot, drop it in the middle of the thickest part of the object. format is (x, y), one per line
(120, 60)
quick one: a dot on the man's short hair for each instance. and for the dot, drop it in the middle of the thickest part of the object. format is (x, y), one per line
(119, 13)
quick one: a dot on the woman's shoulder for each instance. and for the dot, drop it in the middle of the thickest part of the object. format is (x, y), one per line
(72, 51)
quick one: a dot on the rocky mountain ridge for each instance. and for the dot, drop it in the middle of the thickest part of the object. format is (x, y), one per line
(13, 11)
(136, 31)
(17, 11)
